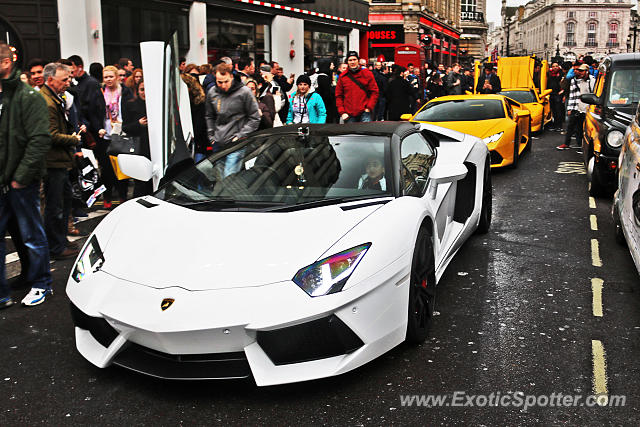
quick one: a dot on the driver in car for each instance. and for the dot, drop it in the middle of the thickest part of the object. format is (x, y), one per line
(374, 178)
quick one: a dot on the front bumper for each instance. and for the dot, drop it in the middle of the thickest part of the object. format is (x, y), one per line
(275, 333)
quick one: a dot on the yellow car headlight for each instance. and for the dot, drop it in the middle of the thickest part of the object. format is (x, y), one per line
(493, 138)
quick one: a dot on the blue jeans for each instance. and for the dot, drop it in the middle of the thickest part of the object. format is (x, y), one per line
(58, 197)
(233, 162)
(380, 108)
(364, 117)
(24, 206)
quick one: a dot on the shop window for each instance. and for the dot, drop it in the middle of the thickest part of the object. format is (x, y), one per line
(126, 25)
(323, 45)
(235, 39)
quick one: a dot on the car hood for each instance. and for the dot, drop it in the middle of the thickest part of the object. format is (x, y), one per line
(481, 128)
(168, 245)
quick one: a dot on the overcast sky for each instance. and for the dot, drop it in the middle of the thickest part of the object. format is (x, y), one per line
(493, 9)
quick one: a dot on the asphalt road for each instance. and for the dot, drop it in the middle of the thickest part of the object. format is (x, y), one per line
(517, 313)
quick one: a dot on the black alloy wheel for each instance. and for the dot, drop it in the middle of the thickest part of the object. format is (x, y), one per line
(487, 201)
(597, 187)
(422, 289)
(516, 149)
(618, 233)
(529, 145)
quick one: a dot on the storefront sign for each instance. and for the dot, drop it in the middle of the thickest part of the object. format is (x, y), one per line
(386, 34)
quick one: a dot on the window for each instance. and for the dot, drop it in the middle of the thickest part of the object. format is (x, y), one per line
(125, 26)
(468, 6)
(417, 159)
(591, 34)
(571, 36)
(235, 38)
(571, 14)
(319, 45)
(613, 35)
(593, 14)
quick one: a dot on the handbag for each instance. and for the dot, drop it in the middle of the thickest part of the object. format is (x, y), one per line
(123, 144)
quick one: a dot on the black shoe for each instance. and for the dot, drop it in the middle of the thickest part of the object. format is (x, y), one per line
(6, 302)
(66, 254)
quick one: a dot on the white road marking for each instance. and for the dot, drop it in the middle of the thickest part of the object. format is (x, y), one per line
(594, 222)
(595, 253)
(571, 167)
(596, 289)
(592, 203)
(599, 372)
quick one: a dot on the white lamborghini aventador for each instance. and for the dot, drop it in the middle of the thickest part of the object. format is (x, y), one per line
(298, 253)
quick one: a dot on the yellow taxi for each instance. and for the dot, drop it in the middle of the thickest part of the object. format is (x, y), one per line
(502, 123)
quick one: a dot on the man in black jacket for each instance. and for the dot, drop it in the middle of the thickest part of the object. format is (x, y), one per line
(24, 142)
(382, 82)
(488, 82)
(57, 187)
(453, 82)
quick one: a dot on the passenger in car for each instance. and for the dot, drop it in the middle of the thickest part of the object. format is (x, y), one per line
(374, 178)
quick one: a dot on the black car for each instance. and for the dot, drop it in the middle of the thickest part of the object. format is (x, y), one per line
(612, 108)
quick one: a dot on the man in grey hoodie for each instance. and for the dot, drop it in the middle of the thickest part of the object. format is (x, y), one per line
(231, 113)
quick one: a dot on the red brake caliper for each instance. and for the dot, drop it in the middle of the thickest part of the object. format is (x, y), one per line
(424, 283)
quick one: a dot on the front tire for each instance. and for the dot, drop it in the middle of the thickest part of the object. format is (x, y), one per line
(516, 149)
(597, 188)
(487, 201)
(529, 145)
(422, 289)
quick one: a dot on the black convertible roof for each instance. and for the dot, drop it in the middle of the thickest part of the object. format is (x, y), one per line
(370, 128)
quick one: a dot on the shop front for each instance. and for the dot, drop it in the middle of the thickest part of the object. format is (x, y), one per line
(383, 40)
(322, 42)
(444, 48)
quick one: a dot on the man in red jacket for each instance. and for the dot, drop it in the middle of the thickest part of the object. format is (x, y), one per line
(356, 92)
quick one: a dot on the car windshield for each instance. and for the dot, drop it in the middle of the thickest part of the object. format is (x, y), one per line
(625, 85)
(461, 110)
(521, 96)
(274, 171)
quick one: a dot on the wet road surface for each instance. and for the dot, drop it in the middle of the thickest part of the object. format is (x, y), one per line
(516, 313)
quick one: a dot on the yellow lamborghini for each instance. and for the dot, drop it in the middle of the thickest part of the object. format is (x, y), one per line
(517, 81)
(502, 123)
(538, 106)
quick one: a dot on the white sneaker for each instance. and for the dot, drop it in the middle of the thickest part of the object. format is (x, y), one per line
(36, 296)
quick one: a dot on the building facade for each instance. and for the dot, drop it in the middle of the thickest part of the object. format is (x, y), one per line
(394, 23)
(570, 28)
(105, 30)
(473, 40)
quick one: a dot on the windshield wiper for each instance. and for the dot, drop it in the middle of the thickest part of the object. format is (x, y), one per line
(322, 202)
(228, 202)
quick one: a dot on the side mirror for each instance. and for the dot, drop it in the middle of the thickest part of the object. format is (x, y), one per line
(445, 173)
(468, 92)
(136, 166)
(590, 98)
(546, 93)
(522, 113)
(406, 117)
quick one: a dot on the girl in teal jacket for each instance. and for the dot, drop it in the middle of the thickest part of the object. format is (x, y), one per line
(306, 106)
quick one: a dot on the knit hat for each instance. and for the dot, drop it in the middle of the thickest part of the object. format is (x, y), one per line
(583, 67)
(265, 68)
(303, 78)
(352, 53)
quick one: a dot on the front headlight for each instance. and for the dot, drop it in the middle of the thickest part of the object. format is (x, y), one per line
(330, 274)
(615, 138)
(492, 138)
(89, 262)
